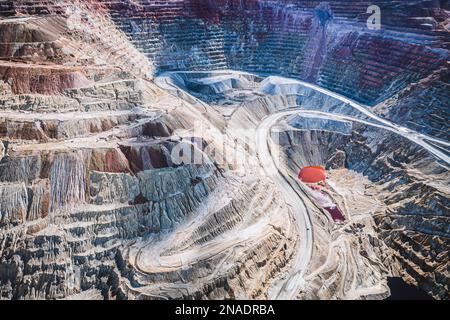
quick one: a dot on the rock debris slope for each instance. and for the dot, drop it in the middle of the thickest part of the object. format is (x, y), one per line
(94, 205)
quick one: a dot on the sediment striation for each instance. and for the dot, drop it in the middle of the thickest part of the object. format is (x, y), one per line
(94, 203)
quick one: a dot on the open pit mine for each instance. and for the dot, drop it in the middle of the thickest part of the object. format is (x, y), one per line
(224, 149)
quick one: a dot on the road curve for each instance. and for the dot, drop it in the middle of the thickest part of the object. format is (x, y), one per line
(408, 134)
(289, 287)
(164, 81)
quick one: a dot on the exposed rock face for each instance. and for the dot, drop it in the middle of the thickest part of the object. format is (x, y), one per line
(94, 204)
(24, 79)
(411, 189)
(394, 192)
(430, 97)
(329, 44)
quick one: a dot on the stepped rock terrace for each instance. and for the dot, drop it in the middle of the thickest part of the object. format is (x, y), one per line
(97, 96)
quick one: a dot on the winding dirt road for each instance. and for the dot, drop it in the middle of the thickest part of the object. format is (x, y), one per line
(289, 286)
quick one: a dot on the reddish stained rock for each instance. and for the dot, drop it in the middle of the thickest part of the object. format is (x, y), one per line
(27, 130)
(50, 129)
(145, 157)
(36, 227)
(43, 80)
(45, 204)
(111, 160)
(156, 129)
(157, 157)
(46, 164)
(207, 10)
(140, 199)
(25, 33)
(133, 156)
(371, 53)
(41, 196)
(31, 52)
(213, 11)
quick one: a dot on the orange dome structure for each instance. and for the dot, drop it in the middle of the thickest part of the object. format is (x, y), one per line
(312, 174)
